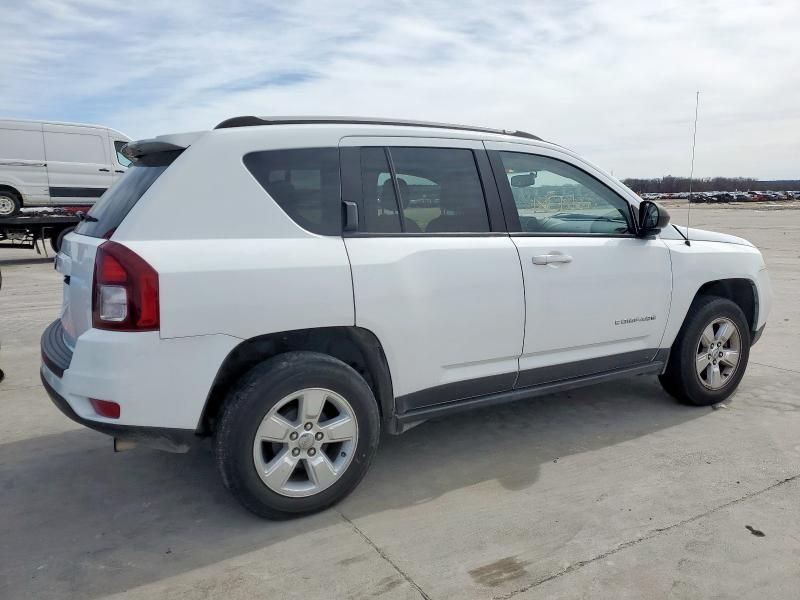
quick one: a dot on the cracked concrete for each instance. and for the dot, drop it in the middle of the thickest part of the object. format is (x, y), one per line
(613, 491)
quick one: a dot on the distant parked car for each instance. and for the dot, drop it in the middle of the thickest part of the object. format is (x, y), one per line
(44, 163)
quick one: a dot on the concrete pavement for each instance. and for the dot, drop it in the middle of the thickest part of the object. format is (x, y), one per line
(614, 491)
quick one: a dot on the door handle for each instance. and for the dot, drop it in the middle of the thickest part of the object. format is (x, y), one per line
(549, 259)
(104, 170)
(118, 171)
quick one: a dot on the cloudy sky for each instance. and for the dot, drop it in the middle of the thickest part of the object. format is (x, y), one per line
(613, 79)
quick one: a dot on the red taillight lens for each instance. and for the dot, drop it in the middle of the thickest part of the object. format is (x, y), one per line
(124, 291)
(105, 408)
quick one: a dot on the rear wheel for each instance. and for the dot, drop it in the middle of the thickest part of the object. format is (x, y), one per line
(710, 355)
(297, 435)
(9, 203)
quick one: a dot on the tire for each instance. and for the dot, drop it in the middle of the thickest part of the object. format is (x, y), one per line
(263, 391)
(690, 376)
(9, 203)
(57, 240)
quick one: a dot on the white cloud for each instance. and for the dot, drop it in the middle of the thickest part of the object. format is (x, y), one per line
(613, 80)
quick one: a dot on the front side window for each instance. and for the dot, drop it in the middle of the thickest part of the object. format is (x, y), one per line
(425, 190)
(121, 159)
(552, 196)
(305, 184)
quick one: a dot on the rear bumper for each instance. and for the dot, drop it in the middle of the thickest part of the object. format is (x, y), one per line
(171, 440)
(56, 355)
(159, 384)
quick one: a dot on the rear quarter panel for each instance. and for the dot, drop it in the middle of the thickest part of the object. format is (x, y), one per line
(229, 259)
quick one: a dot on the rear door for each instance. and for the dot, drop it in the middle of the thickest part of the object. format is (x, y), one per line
(435, 275)
(78, 163)
(597, 296)
(22, 160)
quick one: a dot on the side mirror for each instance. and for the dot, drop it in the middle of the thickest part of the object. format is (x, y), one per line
(523, 180)
(652, 218)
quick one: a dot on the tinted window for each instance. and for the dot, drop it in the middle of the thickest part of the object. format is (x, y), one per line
(553, 196)
(119, 199)
(440, 190)
(304, 183)
(381, 214)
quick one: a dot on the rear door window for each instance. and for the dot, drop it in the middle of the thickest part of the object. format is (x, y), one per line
(305, 184)
(422, 190)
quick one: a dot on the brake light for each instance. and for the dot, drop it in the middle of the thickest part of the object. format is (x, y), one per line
(124, 290)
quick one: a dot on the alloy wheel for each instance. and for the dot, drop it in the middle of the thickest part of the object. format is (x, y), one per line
(718, 352)
(305, 442)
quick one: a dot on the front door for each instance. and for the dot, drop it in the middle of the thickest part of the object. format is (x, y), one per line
(435, 276)
(597, 297)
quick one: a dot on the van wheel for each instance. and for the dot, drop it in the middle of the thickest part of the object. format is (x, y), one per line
(9, 203)
(710, 355)
(297, 434)
(57, 240)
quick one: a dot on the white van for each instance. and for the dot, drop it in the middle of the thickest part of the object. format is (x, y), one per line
(43, 163)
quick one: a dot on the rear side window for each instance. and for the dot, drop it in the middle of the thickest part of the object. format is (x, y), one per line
(114, 205)
(305, 184)
(422, 190)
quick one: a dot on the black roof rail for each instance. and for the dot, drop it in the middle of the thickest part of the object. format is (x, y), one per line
(250, 121)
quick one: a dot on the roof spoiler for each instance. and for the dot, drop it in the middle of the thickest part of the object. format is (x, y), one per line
(134, 151)
(161, 150)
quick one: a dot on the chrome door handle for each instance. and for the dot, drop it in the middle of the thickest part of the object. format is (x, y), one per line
(549, 259)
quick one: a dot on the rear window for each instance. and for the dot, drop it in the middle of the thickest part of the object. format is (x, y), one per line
(305, 184)
(115, 204)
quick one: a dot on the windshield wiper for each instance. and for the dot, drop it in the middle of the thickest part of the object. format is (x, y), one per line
(84, 217)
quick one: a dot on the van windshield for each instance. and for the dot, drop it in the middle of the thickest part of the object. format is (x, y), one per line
(115, 204)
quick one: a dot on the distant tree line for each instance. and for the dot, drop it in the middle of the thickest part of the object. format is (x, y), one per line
(672, 185)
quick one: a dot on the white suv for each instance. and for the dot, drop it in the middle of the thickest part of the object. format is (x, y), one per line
(293, 286)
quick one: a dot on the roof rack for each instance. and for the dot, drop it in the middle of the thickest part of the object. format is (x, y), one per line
(250, 121)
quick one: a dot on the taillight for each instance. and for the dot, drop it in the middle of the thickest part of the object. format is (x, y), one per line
(124, 291)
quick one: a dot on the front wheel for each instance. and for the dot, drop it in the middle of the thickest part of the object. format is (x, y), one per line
(710, 355)
(297, 435)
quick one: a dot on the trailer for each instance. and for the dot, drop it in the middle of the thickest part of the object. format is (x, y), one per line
(34, 227)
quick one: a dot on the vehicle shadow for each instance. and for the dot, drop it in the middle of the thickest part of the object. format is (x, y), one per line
(72, 512)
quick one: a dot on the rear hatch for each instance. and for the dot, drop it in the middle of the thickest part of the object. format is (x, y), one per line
(77, 256)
